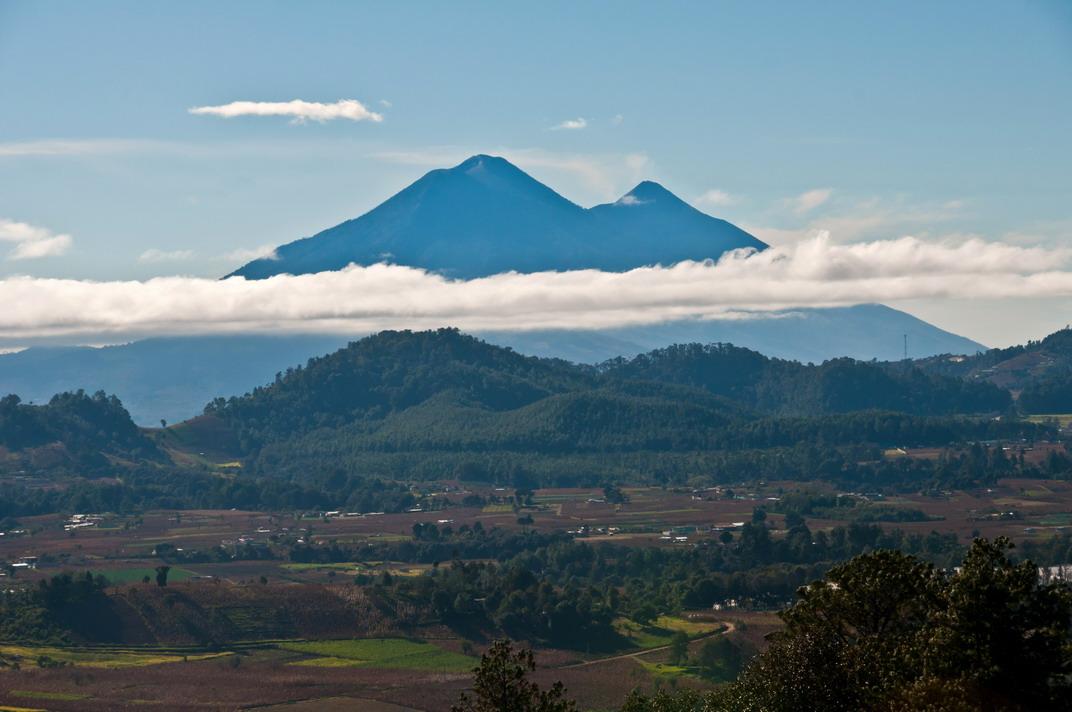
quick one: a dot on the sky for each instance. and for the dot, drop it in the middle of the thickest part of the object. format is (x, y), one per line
(125, 154)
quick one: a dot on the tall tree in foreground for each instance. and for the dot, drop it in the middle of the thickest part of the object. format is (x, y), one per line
(887, 632)
(500, 684)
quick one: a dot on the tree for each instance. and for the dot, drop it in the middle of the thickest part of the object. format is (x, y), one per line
(664, 701)
(720, 658)
(679, 648)
(1001, 631)
(613, 494)
(887, 631)
(161, 575)
(500, 684)
(645, 613)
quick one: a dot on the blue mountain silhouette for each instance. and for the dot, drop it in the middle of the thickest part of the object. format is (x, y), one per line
(486, 216)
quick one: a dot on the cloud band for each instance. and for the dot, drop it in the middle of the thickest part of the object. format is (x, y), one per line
(814, 272)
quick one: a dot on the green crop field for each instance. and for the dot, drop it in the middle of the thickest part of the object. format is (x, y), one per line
(1063, 419)
(393, 653)
(661, 630)
(335, 566)
(664, 671)
(43, 695)
(497, 508)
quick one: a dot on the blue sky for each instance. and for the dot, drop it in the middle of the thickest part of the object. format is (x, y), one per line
(870, 120)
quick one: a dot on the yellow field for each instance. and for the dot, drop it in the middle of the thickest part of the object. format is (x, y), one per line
(111, 659)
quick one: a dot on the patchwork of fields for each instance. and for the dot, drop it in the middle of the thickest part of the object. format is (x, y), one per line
(299, 632)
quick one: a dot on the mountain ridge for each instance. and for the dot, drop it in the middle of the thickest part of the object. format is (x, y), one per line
(172, 378)
(486, 216)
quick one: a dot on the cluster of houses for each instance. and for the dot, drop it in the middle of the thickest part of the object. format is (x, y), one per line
(25, 563)
(82, 521)
(1049, 574)
(339, 514)
(586, 530)
(680, 534)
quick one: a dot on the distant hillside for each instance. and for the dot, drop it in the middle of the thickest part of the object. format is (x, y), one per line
(172, 378)
(486, 216)
(864, 332)
(73, 432)
(169, 379)
(1038, 374)
(406, 406)
(790, 388)
(418, 396)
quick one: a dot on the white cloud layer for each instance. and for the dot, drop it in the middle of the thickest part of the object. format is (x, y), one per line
(815, 272)
(32, 242)
(300, 111)
(571, 124)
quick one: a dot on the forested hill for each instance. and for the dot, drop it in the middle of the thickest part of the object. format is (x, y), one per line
(73, 430)
(392, 372)
(791, 388)
(404, 393)
(437, 404)
(1038, 373)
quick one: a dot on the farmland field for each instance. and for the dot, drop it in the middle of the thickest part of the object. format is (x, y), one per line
(110, 658)
(137, 574)
(383, 653)
(277, 629)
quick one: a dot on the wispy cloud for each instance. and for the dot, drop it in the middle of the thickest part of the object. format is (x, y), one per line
(617, 120)
(719, 198)
(32, 242)
(866, 219)
(72, 147)
(153, 255)
(245, 254)
(809, 200)
(300, 111)
(816, 272)
(571, 124)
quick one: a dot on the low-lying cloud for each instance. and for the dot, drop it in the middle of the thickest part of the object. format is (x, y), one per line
(32, 242)
(300, 111)
(815, 272)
